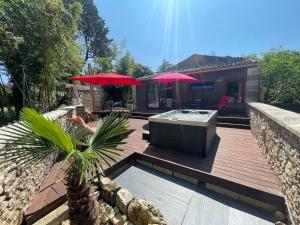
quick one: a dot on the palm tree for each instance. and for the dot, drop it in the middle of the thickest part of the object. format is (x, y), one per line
(35, 139)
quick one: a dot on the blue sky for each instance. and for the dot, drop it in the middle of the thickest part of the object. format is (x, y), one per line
(175, 29)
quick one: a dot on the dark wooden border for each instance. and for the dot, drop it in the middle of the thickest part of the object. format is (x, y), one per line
(266, 197)
(32, 218)
(202, 177)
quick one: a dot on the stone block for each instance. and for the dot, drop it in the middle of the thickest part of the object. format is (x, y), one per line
(106, 212)
(123, 199)
(141, 212)
(109, 190)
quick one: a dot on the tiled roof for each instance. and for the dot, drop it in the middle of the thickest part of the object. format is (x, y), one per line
(206, 62)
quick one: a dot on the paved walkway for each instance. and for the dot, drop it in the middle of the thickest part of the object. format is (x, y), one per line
(182, 203)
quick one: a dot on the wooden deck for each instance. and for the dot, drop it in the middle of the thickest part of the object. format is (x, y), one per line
(234, 157)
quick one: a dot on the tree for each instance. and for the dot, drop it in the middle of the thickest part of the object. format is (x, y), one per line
(93, 30)
(141, 71)
(280, 74)
(165, 65)
(42, 47)
(36, 139)
(105, 64)
(126, 64)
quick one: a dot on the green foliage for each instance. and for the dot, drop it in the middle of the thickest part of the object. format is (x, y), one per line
(46, 128)
(165, 65)
(141, 71)
(93, 30)
(36, 138)
(103, 64)
(42, 42)
(126, 64)
(280, 74)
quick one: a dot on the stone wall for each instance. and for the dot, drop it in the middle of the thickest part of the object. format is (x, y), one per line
(118, 206)
(81, 94)
(277, 132)
(18, 185)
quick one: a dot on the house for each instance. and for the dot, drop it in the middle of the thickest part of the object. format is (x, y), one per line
(236, 77)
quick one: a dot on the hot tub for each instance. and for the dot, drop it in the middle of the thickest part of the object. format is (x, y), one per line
(184, 130)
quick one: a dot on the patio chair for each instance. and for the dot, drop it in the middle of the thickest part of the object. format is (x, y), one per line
(221, 104)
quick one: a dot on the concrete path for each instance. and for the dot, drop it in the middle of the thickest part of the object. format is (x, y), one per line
(183, 203)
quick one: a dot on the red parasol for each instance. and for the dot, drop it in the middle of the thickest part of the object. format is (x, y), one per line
(107, 79)
(174, 77)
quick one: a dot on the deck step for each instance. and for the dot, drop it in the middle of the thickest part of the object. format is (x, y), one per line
(234, 125)
(143, 114)
(234, 120)
(139, 117)
(146, 135)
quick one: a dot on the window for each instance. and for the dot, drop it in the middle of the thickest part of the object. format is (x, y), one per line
(203, 86)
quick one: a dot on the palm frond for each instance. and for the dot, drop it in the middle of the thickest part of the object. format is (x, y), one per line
(33, 139)
(109, 134)
(79, 135)
(103, 147)
(47, 129)
(23, 146)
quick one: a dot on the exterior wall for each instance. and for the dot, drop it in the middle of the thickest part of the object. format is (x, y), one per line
(253, 84)
(141, 98)
(134, 97)
(18, 185)
(249, 79)
(277, 132)
(208, 97)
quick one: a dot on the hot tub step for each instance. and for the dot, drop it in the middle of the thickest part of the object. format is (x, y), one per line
(146, 135)
(234, 120)
(139, 117)
(234, 125)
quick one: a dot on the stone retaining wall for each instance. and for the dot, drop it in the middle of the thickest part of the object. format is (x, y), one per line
(119, 206)
(277, 132)
(18, 187)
